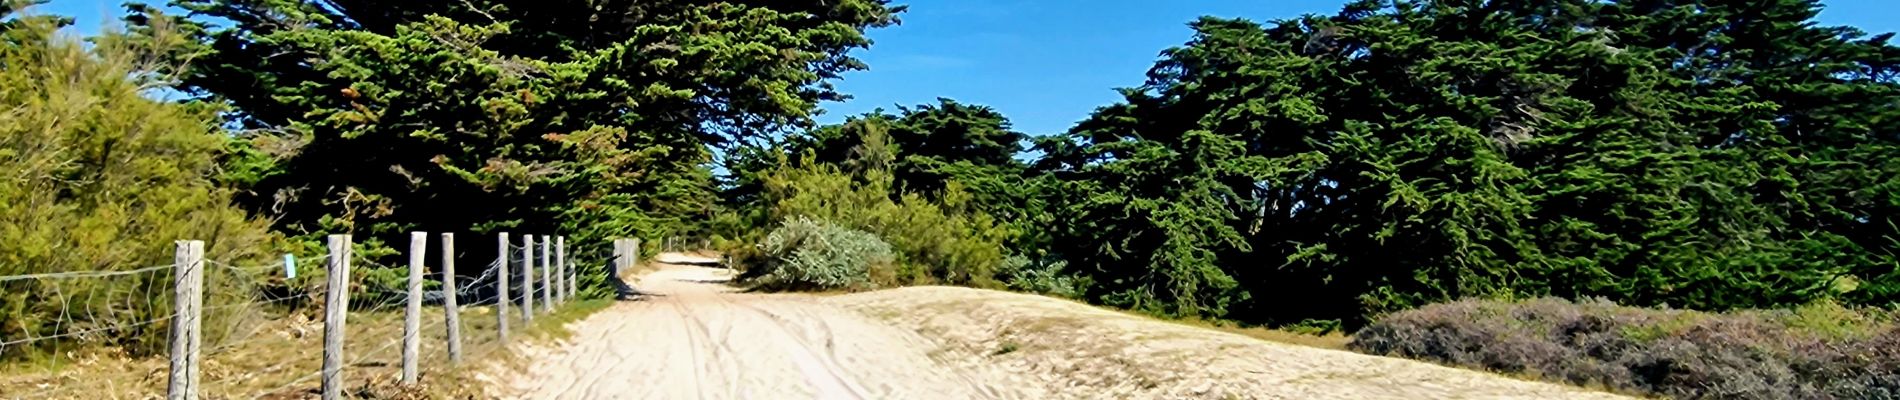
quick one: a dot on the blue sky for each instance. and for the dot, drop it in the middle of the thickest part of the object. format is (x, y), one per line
(1046, 63)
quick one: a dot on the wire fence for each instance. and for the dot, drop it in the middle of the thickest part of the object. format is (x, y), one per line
(229, 330)
(684, 244)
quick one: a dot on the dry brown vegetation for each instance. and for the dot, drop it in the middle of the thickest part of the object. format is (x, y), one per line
(1820, 351)
(281, 360)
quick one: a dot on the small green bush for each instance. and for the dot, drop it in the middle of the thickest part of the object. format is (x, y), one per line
(1814, 352)
(936, 242)
(803, 254)
(1045, 276)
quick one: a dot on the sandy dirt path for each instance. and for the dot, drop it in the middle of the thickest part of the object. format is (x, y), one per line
(701, 340)
(1071, 350)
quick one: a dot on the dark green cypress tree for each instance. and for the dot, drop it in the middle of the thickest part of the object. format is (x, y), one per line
(596, 118)
(1703, 154)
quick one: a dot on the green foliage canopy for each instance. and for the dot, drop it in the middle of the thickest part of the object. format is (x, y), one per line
(1707, 154)
(101, 179)
(382, 117)
(1398, 153)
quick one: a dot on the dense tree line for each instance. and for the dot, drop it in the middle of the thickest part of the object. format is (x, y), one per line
(261, 126)
(1699, 154)
(1707, 154)
(1321, 169)
(593, 119)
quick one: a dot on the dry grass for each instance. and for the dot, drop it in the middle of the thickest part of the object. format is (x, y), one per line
(1817, 351)
(1330, 341)
(282, 358)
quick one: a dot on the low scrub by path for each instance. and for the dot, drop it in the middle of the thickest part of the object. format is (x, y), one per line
(1068, 350)
(1819, 351)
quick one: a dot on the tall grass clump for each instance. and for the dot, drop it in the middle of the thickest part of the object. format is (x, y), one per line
(803, 254)
(96, 176)
(1822, 351)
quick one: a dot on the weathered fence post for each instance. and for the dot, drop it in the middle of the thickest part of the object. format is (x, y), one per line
(527, 278)
(336, 305)
(188, 265)
(451, 307)
(561, 268)
(560, 274)
(567, 271)
(412, 316)
(501, 287)
(547, 285)
(573, 275)
(573, 280)
(626, 254)
(620, 250)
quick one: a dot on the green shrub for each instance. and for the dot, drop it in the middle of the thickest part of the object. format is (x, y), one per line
(101, 178)
(1814, 352)
(1045, 276)
(936, 242)
(803, 254)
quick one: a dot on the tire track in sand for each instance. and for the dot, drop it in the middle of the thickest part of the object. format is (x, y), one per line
(702, 340)
(821, 372)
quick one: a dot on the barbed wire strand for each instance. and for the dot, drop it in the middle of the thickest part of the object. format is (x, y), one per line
(94, 330)
(360, 357)
(491, 272)
(391, 301)
(272, 267)
(83, 274)
(56, 387)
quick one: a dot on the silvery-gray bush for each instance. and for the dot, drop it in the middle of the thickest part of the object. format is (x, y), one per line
(804, 254)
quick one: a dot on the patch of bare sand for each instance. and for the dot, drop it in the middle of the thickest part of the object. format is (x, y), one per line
(1065, 350)
(701, 340)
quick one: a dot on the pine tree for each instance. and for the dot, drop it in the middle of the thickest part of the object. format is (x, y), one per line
(1399, 153)
(600, 118)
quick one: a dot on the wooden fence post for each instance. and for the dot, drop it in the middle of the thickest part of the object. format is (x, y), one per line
(336, 305)
(188, 265)
(618, 259)
(547, 285)
(501, 286)
(573, 280)
(561, 268)
(560, 273)
(527, 278)
(561, 253)
(451, 307)
(412, 316)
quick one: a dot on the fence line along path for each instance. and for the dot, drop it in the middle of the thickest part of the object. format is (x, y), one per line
(95, 307)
